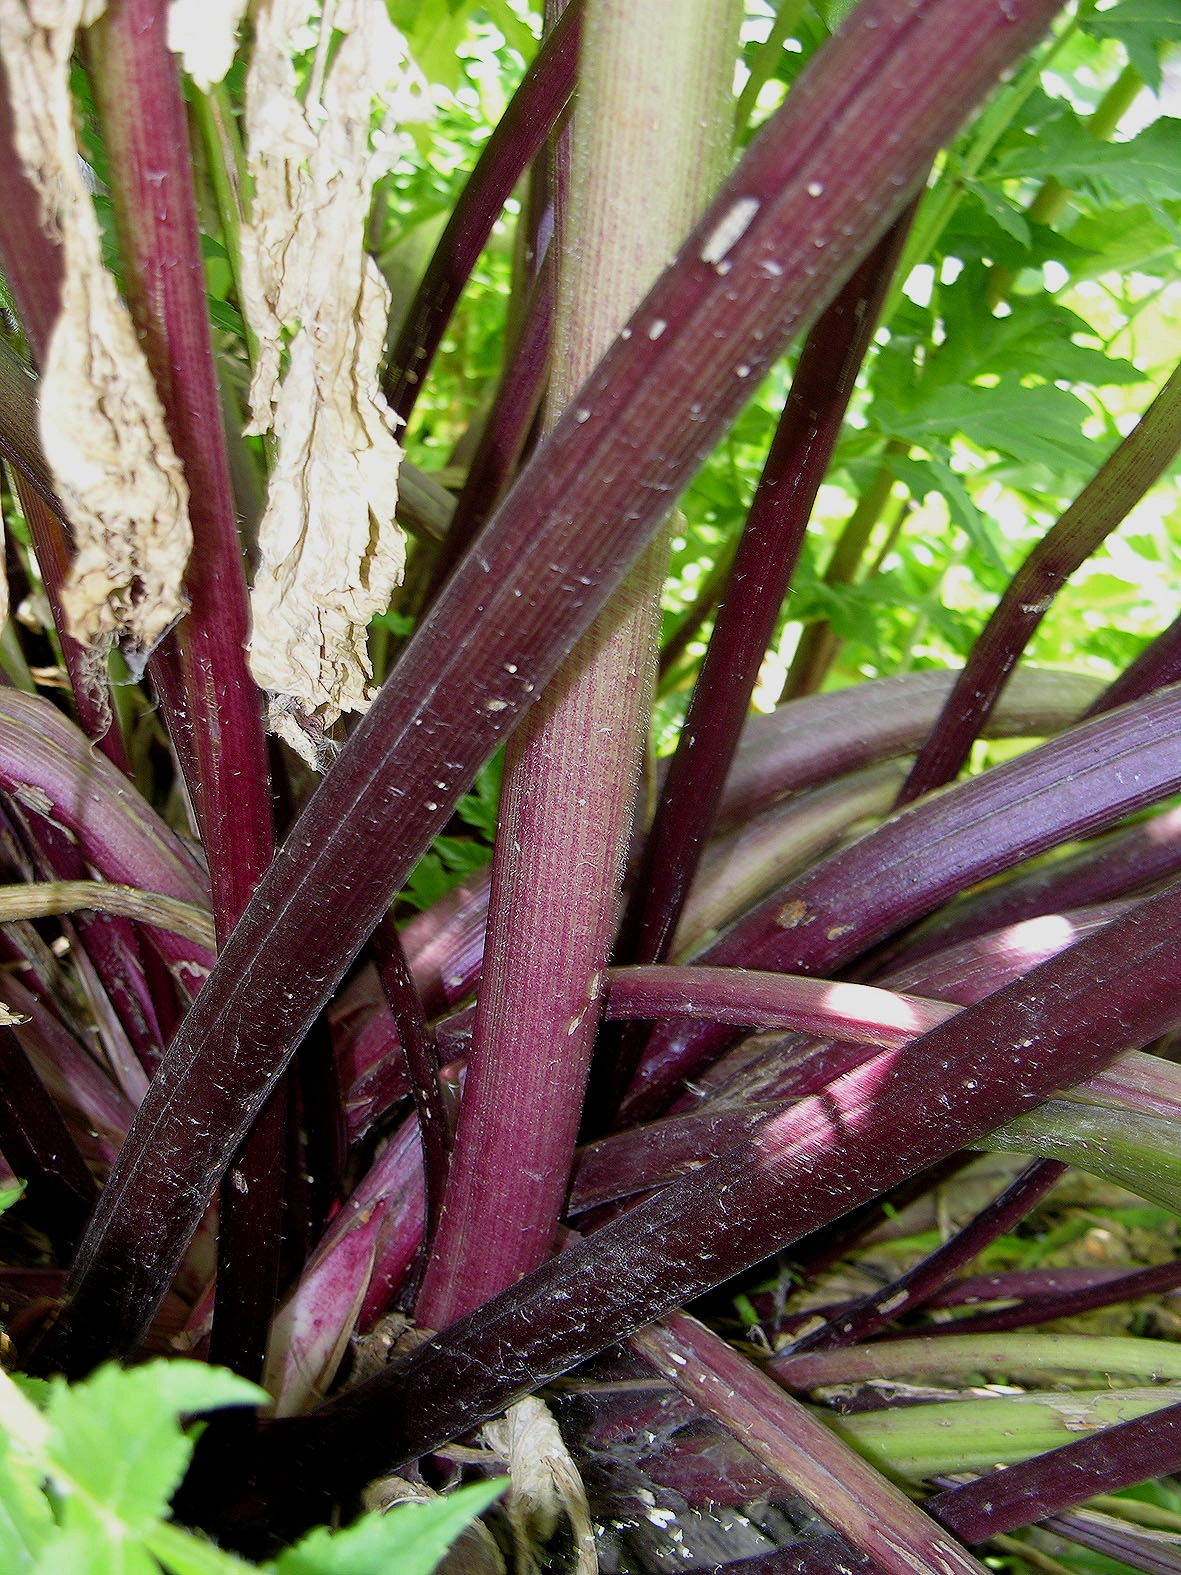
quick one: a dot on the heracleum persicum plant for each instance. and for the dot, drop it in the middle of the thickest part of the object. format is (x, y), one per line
(677, 399)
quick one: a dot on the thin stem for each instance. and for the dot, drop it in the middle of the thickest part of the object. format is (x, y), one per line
(512, 147)
(853, 1498)
(912, 1289)
(818, 644)
(422, 1063)
(765, 561)
(1115, 1457)
(211, 702)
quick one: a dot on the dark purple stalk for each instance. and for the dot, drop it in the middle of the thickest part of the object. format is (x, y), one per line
(212, 705)
(870, 1130)
(1124, 862)
(820, 737)
(914, 1288)
(772, 1000)
(763, 566)
(1158, 664)
(1119, 484)
(97, 1113)
(112, 946)
(508, 153)
(740, 867)
(1157, 1281)
(1155, 1552)
(867, 114)
(422, 1063)
(38, 1145)
(856, 1500)
(506, 431)
(916, 860)
(1116, 1457)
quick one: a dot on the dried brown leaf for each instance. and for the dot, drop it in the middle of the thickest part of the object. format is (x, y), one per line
(330, 552)
(102, 425)
(546, 1484)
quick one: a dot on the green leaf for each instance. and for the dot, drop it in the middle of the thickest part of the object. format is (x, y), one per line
(410, 1539)
(1141, 26)
(922, 476)
(26, 1522)
(481, 807)
(1007, 214)
(184, 1553)
(12, 1193)
(225, 318)
(1145, 169)
(1033, 423)
(115, 1437)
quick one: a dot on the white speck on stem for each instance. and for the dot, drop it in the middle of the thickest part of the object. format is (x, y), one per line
(495, 705)
(730, 230)
(656, 327)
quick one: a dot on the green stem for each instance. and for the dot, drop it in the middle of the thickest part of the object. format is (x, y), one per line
(762, 67)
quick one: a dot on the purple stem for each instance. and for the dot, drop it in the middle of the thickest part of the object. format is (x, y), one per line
(1121, 481)
(38, 1145)
(1158, 664)
(506, 431)
(111, 943)
(820, 737)
(1157, 1553)
(763, 566)
(798, 1171)
(50, 531)
(30, 262)
(1124, 862)
(512, 147)
(1116, 1457)
(856, 1500)
(867, 114)
(422, 1063)
(1157, 1281)
(210, 700)
(914, 1288)
(923, 855)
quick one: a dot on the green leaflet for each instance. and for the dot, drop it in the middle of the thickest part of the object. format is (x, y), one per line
(1141, 26)
(1146, 169)
(85, 1483)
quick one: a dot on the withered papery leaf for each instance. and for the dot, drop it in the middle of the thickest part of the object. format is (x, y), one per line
(546, 1484)
(102, 425)
(330, 553)
(204, 33)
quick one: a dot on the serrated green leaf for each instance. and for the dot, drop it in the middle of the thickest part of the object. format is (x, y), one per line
(410, 1539)
(1120, 239)
(10, 1194)
(1145, 169)
(184, 1553)
(1007, 215)
(115, 1437)
(1033, 423)
(1141, 26)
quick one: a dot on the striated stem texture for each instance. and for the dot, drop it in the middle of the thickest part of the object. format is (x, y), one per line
(651, 123)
